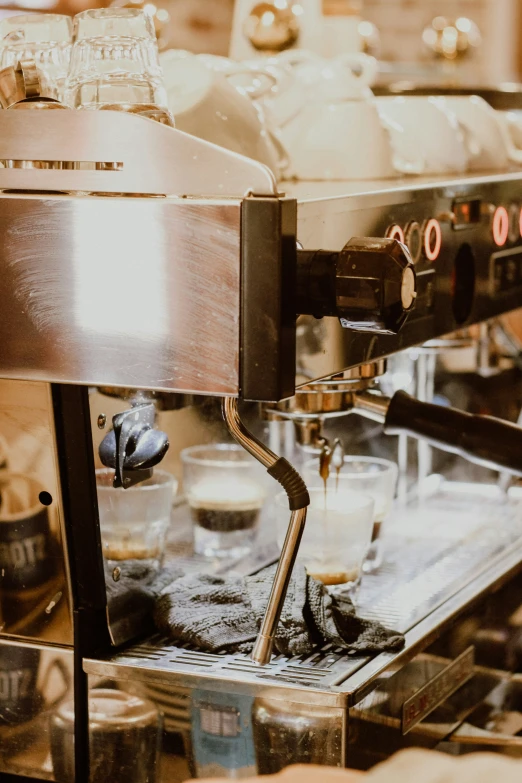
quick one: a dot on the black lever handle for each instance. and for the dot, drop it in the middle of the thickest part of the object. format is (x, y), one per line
(491, 442)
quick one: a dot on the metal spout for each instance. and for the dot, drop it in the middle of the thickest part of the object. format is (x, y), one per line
(298, 499)
(133, 446)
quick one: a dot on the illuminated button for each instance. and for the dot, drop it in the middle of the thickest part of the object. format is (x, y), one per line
(432, 239)
(500, 226)
(395, 232)
(413, 239)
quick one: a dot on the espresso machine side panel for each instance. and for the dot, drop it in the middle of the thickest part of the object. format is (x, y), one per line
(129, 292)
(34, 579)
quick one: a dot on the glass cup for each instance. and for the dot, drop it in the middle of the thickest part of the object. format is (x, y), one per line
(337, 535)
(44, 38)
(113, 22)
(114, 62)
(134, 521)
(225, 490)
(370, 475)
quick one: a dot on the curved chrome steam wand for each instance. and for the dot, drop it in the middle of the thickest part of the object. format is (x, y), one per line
(298, 499)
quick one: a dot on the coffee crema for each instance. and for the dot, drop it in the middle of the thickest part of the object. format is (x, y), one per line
(331, 578)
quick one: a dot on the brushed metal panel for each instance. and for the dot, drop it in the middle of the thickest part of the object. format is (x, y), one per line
(119, 291)
(152, 158)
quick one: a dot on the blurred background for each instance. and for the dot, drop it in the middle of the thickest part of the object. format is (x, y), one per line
(205, 26)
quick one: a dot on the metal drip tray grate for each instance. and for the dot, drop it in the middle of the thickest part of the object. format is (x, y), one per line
(433, 549)
(160, 654)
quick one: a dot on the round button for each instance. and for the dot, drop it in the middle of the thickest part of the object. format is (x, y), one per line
(413, 239)
(395, 232)
(408, 292)
(432, 239)
(500, 226)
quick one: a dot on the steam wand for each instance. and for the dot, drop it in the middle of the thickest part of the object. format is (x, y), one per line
(298, 499)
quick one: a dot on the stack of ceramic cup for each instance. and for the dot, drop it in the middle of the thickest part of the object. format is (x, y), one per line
(315, 119)
(303, 116)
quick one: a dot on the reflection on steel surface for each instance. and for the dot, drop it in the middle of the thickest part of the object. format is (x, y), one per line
(34, 582)
(121, 292)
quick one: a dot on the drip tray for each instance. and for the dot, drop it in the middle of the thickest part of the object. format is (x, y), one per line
(460, 536)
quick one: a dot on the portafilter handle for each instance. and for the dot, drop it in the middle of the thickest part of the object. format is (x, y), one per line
(488, 441)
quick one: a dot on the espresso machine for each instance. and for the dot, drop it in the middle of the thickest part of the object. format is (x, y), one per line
(136, 294)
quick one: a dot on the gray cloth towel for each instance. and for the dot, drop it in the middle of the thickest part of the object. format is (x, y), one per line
(224, 615)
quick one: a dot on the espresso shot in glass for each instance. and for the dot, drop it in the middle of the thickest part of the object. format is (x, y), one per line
(336, 538)
(134, 522)
(370, 475)
(224, 488)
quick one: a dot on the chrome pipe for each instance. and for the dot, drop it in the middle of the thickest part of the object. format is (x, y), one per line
(262, 651)
(245, 438)
(264, 643)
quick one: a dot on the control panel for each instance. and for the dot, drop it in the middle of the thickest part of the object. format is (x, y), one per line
(504, 222)
(465, 241)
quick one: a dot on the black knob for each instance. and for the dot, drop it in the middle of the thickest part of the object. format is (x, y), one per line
(133, 446)
(369, 285)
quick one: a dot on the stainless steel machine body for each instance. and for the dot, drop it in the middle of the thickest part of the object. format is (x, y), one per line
(104, 285)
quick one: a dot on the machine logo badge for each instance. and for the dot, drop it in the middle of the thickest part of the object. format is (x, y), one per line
(446, 682)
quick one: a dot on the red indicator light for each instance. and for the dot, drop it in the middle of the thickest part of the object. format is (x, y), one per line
(432, 239)
(395, 232)
(500, 226)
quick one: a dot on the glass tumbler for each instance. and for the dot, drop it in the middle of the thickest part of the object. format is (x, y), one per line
(44, 38)
(114, 63)
(336, 538)
(225, 490)
(370, 475)
(113, 22)
(134, 521)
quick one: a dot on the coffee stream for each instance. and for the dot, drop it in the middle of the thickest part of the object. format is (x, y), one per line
(330, 456)
(333, 456)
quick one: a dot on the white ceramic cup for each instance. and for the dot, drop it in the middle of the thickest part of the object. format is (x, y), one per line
(263, 84)
(205, 104)
(489, 140)
(308, 65)
(337, 134)
(423, 129)
(341, 140)
(512, 120)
